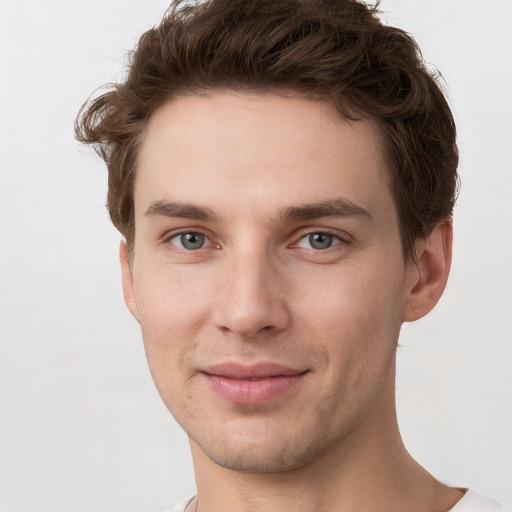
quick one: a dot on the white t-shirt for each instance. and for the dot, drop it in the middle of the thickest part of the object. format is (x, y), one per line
(182, 505)
(470, 502)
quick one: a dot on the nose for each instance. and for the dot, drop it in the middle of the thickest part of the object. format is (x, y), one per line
(251, 296)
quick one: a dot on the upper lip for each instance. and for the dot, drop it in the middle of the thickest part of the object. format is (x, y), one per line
(252, 371)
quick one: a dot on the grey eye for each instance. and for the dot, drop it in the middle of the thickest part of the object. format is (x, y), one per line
(320, 240)
(190, 241)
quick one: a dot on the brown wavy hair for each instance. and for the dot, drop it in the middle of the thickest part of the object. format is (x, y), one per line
(336, 50)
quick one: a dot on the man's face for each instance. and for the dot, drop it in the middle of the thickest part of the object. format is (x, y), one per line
(267, 276)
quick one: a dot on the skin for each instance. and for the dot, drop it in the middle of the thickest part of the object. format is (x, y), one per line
(258, 291)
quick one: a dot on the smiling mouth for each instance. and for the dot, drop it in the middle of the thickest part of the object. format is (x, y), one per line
(254, 384)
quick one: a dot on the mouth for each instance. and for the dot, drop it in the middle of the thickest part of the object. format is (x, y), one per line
(252, 384)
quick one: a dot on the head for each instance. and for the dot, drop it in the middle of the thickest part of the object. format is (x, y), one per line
(336, 51)
(284, 175)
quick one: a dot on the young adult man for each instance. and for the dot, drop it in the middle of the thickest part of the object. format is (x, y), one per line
(284, 175)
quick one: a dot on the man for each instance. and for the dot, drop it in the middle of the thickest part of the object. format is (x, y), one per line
(284, 175)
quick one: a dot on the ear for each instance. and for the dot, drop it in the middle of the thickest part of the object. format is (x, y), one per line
(127, 276)
(428, 275)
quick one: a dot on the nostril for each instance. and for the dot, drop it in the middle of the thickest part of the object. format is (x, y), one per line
(250, 314)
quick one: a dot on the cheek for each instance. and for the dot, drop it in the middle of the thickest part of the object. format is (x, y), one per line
(356, 312)
(171, 314)
(358, 294)
(169, 300)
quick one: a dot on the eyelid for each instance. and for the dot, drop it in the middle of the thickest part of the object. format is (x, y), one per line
(341, 236)
(206, 241)
(166, 239)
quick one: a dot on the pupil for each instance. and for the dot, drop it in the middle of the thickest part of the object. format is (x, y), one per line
(192, 240)
(320, 240)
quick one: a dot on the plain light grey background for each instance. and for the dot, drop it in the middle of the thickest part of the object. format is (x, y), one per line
(81, 426)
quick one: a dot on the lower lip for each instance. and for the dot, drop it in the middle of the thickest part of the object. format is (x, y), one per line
(252, 392)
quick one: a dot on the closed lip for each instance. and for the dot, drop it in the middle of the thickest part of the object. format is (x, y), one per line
(253, 384)
(239, 371)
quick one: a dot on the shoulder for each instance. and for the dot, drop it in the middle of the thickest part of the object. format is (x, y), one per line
(181, 506)
(473, 502)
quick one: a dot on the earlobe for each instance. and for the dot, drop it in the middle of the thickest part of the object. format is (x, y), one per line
(428, 276)
(127, 277)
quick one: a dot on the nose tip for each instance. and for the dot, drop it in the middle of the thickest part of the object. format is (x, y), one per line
(252, 302)
(253, 319)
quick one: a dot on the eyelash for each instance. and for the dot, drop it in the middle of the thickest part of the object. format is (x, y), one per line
(207, 239)
(336, 240)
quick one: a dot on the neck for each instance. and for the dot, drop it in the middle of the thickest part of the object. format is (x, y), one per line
(370, 470)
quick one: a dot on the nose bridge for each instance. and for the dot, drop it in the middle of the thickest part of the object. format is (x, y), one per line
(251, 297)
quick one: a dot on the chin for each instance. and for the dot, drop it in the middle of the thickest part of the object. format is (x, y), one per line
(262, 455)
(261, 463)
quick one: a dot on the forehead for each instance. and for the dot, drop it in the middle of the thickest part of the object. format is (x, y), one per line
(258, 150)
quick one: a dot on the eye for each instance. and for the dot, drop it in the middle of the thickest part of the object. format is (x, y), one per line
(190, 241)
(318, 240)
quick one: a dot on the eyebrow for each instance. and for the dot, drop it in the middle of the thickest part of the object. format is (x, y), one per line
(335, 208)
(179, 210)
